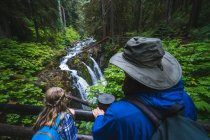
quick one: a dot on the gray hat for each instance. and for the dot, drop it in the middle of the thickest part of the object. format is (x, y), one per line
(145, 61)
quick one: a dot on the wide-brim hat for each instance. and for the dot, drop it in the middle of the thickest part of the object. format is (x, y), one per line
(144, 60)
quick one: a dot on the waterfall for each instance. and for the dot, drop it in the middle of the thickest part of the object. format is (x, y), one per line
(78, 82)
(98, 72)
(92, 74)
(63, 65)
(95, 73)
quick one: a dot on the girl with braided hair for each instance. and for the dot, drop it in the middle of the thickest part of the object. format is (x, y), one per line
(56, 115)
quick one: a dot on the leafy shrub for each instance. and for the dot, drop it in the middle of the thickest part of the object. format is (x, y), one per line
(202, 33)
(19, 64)
(194, 59)
(71, 35)
(84, 127)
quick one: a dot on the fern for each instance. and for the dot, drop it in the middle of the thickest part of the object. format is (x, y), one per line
(194, 59)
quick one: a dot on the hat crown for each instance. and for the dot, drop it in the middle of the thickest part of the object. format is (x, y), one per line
(144, 52)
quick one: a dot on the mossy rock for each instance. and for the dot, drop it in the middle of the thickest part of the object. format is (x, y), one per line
(53, 76)
(76, 63)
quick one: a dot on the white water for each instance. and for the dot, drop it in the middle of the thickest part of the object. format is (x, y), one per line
(92, 74)
(78, 82)
(98, 72)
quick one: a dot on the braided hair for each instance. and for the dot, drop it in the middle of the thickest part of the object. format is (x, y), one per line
(55, 103)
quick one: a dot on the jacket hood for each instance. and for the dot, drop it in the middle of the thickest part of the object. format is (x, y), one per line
(164, 99)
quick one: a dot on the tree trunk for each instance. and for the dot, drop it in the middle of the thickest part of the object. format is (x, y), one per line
(137, 16)
(64, 16)
(60, 13)
(36, 27)
(103, 17)
(169, 10)
(140, 15)
(112, 20)
(196, 6)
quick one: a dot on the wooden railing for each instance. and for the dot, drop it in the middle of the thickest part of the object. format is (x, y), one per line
(27, 132)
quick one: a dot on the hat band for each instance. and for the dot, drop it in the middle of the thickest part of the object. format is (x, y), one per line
(150, 64)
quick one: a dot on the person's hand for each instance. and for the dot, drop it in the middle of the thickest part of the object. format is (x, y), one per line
(72, 111)
(97, 112)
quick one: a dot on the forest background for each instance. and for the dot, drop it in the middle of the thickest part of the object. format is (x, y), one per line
(35, 33)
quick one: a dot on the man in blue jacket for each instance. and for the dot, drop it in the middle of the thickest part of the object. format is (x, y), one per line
(152, 75)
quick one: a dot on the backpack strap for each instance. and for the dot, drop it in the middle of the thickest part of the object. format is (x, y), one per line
(155, 115)
(55, 126)
(57, 122)
(156, 122)
(46, 133)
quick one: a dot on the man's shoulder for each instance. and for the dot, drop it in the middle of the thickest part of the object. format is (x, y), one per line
(117, 107)
(118, 104)
(122, 106)
(122, 111)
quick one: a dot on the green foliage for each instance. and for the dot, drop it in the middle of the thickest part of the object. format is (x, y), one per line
(202, 33)
(19, 64)
(114, 77)
(71, 35)
(58, 39)
(34, 21)
(16, 119)
(12, 118)
(163, 31)
(194, 59)
(84, 127)
(28, 120)
(51, 38)
(109, 49)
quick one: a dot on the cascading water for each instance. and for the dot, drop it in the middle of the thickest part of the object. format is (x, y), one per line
(78, 82)
(92, 74)
(98, 72)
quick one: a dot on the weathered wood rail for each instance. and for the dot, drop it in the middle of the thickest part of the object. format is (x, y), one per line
(81, 115)
(26, 132)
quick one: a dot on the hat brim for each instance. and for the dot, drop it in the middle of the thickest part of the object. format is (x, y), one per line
(154, 77)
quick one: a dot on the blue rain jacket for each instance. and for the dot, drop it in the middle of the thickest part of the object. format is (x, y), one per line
(124, 121)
